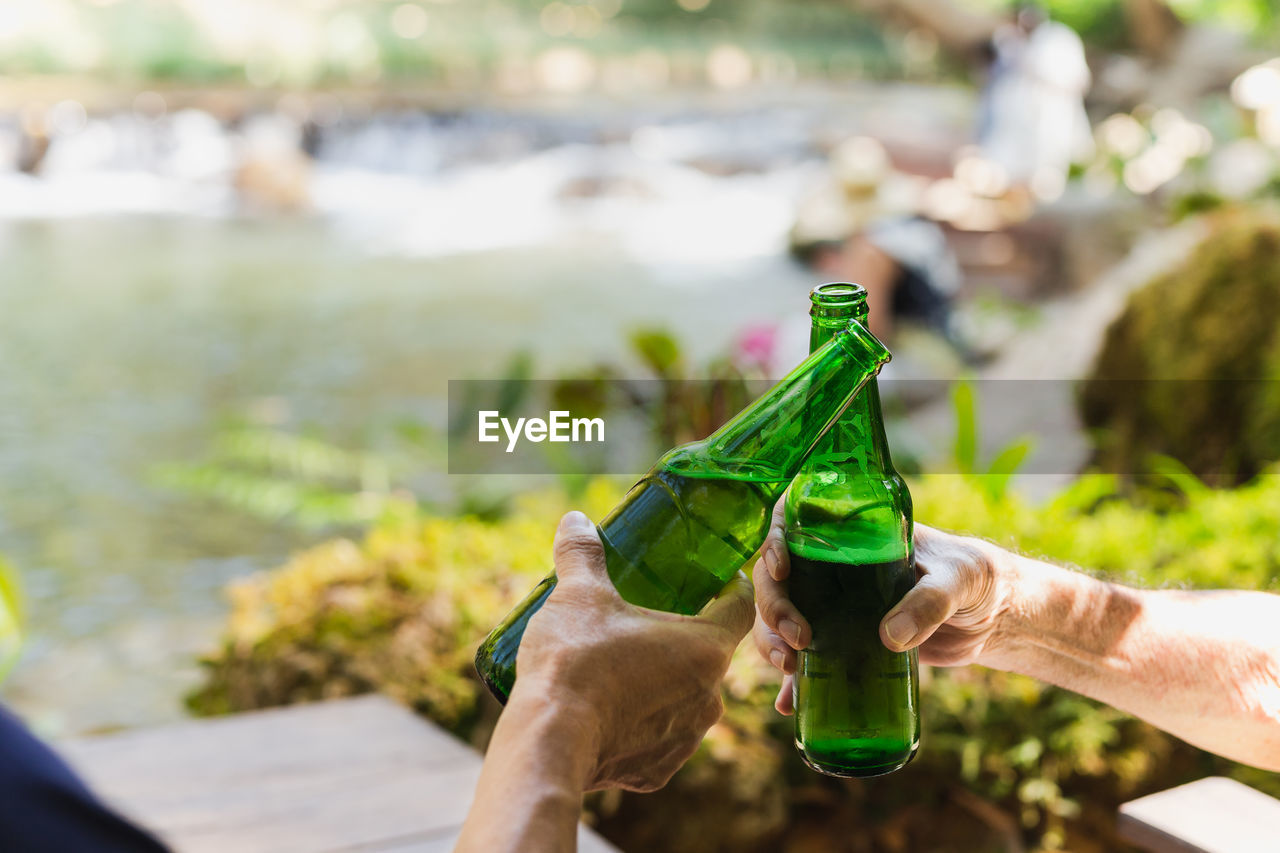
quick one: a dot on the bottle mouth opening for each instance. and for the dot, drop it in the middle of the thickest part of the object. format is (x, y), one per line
(837, 299)
(838, 294)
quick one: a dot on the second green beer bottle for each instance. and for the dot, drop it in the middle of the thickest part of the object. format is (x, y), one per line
(848, 530)
(704, 508)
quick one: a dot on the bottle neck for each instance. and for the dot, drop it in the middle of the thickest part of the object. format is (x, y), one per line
(769, 441)
(860, 430)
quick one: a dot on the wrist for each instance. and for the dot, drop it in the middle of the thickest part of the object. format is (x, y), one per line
(1052, 617)
(1020, 586)
(561, 729)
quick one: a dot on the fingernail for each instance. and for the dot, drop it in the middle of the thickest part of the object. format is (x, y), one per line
(771, 562)
(777, 657)
(576, 521)
(901, 628)
(791, 631)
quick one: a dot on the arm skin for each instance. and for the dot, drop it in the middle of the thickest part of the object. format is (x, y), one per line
(610, 695)
(530, 792)
(1204, 666)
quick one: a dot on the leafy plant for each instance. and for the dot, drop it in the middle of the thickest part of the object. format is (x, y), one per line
(281, 476)
(994, 477)
(681, 403)
(401, 612)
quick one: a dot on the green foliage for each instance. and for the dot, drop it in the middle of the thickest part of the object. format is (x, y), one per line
(994, 478)
(1194, 203)
(659, 351)
(966, 412)
(10, 617)
(677, 406)
(505, 394)
(1209, 538)
(1246, 15)
(1103, 22)
(142, 39)
(1190, 369)
(280, 476)
(403, 611)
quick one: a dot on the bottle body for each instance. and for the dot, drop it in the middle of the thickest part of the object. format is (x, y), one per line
(680, 534)
(699, 514)
(671, 544)
(848, 531)
(856, 703)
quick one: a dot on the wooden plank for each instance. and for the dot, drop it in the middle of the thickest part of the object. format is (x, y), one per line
(1213, 815)
(352, 774)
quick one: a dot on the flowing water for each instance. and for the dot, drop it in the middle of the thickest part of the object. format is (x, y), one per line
(141, 310)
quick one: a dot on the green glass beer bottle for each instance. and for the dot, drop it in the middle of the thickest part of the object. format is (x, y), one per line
(704, 508)
(848, 531)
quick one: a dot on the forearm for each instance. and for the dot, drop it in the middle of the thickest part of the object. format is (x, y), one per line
(529, 796)
(1204, 666)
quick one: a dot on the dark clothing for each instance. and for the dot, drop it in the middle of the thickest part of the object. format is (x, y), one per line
(915, 298)
(928, 277)
(45, 808)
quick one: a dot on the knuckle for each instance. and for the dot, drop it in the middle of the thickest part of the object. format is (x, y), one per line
(760, 575)
(772, 609)
(712, 711)
(763, 637)
(932, 603)
(579, 544)
(739, 617)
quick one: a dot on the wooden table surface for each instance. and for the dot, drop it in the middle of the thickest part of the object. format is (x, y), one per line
(352, 774)
(1213, 815)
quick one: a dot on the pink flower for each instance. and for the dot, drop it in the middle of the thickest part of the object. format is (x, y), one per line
(755, 346)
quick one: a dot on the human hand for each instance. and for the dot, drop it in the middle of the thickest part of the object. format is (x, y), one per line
(640, 686)
(951, 614)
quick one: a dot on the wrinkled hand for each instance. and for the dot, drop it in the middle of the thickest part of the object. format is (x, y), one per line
(644, 684)
(951, 614)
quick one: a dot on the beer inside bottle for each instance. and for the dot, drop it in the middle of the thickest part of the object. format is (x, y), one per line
(848, 530)
(682, 532)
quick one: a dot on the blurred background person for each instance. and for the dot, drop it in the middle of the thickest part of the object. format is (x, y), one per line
(865, 225)
(1031, 118)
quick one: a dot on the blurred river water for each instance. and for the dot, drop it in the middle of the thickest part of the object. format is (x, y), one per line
(143, 307)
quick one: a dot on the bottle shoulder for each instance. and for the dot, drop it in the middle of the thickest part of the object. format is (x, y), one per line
(844, 517)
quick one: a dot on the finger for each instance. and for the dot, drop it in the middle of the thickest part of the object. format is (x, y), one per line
(773, 648)
(777, 611)
(732, 609)
(929, 542)
(931, 602)
(774, 552)
(785, 703)
(577, 551)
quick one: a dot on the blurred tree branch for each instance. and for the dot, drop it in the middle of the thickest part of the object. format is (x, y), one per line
(1154, 28)
(959, 29)
(1181, 59)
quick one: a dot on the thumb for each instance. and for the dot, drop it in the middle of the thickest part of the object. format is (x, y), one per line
(931, 602)
(577, 550)
(734, 608)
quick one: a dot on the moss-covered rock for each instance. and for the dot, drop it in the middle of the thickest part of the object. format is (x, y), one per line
(1190, 368)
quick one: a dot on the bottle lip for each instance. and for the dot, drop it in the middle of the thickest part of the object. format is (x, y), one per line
(838, 294)
(869, 343)
(837, 299)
